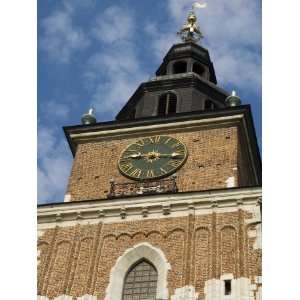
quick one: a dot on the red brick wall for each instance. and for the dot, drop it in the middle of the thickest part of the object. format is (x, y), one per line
(77, 260)
(212, 159)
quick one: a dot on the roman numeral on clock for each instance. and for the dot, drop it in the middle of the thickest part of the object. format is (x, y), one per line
(136, 173)
(176, 145)
(154, 139)
(163, 171)
(173, 163)
(140, 143)
(150, 173)
(167, 140)
(126, 166)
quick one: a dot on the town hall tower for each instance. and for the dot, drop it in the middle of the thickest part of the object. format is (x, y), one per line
(164, 202)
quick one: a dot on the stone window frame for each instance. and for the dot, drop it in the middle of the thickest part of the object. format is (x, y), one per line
(128, 259)
(166, 108)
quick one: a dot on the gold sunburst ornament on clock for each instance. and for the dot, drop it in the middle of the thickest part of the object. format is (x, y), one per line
(152, 158)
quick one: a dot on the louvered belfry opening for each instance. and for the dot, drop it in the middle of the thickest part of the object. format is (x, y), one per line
(179, 67)
(197, 68)
(167, 104)
(140, 282)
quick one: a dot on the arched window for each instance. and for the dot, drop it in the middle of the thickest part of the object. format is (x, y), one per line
(198, 69)
(130, 259)
(179, 67)
(209, 105)
(167, 104)
(140, 282)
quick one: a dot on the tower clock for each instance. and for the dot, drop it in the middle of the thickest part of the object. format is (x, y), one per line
(152, 157)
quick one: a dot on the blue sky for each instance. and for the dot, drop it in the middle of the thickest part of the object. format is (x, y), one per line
(96, 53)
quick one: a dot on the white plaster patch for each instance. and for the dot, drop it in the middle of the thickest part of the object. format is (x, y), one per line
(131, 256)
(40, 233)
(258, 279)
(67, 198)
(87, 297)
(252, 233)
(38, 256)
(259, 294)
(226, 276)
(241, 289)
(257, 243)
(230, 182)
(64, 297)
(256, 215)
(185, 293)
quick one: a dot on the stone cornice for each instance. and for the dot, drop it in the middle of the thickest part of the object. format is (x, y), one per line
(155, 206)
(154, 128)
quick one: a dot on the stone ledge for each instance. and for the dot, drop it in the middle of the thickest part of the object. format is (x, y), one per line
(156, 206)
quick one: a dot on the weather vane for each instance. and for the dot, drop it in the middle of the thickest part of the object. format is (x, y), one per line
(190, 31)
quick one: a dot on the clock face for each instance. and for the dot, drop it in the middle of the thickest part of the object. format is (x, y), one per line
(152, 157)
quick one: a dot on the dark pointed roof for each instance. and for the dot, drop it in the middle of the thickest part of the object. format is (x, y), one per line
(188, 50)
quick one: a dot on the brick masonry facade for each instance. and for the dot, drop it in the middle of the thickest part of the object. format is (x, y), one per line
(77, 260)
(214, 156)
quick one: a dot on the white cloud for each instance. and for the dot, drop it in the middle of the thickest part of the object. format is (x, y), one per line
(120, 75)
(241, 69)
(53, 168)
(161, 39)
(54, 110)
(114, 73)
(114, 24)
(61, 37)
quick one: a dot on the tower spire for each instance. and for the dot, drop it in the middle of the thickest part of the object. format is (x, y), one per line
(190, 31)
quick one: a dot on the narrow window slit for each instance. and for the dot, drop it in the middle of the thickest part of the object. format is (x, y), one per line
(227, 287)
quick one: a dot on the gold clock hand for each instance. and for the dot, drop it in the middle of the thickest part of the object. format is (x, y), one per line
(135, 155)
(172, 155)
(175, 154)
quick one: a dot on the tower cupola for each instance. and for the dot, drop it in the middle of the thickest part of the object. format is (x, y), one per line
(184, 82)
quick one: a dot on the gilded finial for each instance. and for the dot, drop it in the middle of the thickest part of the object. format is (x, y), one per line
(233, 99)
(190, 31)
(89, 117)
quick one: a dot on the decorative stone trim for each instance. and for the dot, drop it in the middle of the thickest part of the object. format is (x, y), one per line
(158, 206)
(42, 298)
(131, 256)
(185, 293)
(166, 209)
(145, 212)
(154, 128)
(123, 213)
